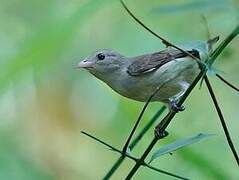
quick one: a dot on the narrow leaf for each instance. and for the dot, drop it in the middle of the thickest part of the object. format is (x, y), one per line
(109, 146)
(131, 157)
(164, 172)
(178, 144)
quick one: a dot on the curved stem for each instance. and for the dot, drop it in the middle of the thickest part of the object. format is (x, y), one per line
(138, 120)
(134, 142)
(219, 112)
(215, 54)
(141, 160)
(164, 172)
(227, 83)
(163, 125)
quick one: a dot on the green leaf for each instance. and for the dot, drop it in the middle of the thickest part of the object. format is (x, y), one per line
(178, 144)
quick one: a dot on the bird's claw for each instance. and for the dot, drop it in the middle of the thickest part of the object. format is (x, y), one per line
(175, 107)
(159, 134)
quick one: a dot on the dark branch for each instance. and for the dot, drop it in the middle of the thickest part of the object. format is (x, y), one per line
(138, 120)
(131, 157)
(162, 171)
(109, 146)
(164, 41)
(208, 37)
(166, 121)
(227, 83)
(215, 54)
(134, 142)
(219, 112)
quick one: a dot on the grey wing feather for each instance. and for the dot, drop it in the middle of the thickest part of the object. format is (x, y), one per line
(151, 62)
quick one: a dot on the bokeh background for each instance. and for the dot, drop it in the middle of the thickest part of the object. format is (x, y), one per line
(45, 102)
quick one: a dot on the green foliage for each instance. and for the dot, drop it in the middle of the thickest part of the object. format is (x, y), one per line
(169, 148)
(45, 102)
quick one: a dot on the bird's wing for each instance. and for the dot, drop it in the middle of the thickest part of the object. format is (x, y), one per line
(151, 62)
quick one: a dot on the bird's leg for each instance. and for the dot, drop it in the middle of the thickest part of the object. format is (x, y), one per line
(159, 134)
(173, 108)
(173, 102)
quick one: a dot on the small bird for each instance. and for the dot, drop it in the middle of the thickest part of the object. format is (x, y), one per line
(171, 71)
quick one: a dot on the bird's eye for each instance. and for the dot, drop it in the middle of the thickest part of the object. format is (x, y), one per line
(101, 56)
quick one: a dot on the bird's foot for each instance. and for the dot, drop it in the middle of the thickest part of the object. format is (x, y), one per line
(159, 134)
(175, 107)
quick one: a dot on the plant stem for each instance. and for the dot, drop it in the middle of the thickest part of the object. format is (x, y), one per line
(133, 158)
(219, 112)
(163, 125)
(146, 127)
(135, 142)
(138, 120)
(115, 166)
(164, 40)
(108, 145)
(223, 45)
(141, 160)
(165, 122)
(226, 82)
(164, 172)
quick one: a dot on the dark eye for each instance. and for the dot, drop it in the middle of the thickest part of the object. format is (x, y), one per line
(101, 56)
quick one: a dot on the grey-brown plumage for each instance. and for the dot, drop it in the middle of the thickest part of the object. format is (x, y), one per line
(170, 70)
(151, 62)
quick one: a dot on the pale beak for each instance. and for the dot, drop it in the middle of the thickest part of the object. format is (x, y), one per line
(84, 64)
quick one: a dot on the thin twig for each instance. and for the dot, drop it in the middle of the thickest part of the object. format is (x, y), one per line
(146, 127)
(163, 125)
(133, 158)
(217, 75)
(134, 142)
(164, 172)
(223, 45)
(141, 160)
(219, 112)
(138, 120)
(108, 145)
(226, 82)
(164, 41)
(214, 56)
(169, 117)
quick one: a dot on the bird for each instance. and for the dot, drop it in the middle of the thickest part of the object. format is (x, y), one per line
(169, 71)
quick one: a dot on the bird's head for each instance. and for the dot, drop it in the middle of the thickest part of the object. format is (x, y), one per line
(103, 63)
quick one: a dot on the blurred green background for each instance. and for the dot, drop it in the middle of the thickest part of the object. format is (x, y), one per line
(45, 102)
